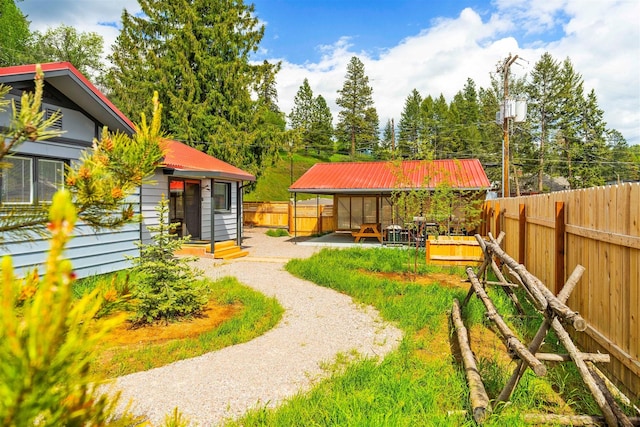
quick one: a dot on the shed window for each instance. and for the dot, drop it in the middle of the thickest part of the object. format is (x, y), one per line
(222, 196)
(19, 186)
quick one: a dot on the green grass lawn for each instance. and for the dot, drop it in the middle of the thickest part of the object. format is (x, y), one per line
(253, 315)
(422, 383)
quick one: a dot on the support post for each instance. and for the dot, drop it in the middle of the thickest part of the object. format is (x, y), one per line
(522, 232)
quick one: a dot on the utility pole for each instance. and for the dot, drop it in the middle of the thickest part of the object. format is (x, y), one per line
(505, 124)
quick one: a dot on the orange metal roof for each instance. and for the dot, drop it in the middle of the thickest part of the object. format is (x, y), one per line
(189, 161)
(367, 177)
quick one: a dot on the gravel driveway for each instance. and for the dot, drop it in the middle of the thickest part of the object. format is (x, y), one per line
(318, 323)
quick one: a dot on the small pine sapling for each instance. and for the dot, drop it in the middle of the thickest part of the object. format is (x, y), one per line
(168, 287)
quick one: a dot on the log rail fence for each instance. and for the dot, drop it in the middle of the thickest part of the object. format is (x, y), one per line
(555, 315)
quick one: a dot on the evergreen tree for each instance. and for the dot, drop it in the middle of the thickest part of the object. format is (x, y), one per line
(570, 101)
(358, 120)
(301, 117)
(411, 127)
(386, 148)
(437, 131)
(543, 107)
(465, 110)
(65, 43)
(592, 154)
(14, 35)
(322, 126)
(196, 53)
(167, 287)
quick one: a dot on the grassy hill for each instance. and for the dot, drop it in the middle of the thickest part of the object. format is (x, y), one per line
(273, 184)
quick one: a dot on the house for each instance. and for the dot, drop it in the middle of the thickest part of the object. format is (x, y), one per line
(362, 191)
(205, 193)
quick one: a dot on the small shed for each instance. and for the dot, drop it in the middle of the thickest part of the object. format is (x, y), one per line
(362, 191)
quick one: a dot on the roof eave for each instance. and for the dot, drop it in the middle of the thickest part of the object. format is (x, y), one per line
(370, 190)
(186, 173)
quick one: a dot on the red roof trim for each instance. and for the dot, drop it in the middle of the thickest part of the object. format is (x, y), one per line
(386, 176)
(182, 157)
(65, 66)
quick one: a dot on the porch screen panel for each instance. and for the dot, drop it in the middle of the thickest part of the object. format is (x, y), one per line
(344, 213)
(386, 213)
(356, 212)
(370, 210)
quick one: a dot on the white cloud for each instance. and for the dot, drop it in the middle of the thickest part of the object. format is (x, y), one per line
(601, 38)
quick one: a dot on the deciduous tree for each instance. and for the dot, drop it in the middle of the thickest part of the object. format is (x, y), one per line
(65, 43)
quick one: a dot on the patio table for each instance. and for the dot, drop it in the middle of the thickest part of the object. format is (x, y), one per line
(367, 230)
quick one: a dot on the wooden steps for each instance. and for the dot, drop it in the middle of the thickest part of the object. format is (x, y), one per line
(228, 250)
(222, 250)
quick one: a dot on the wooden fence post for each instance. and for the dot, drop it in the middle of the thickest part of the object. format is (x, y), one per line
(522, 232)
(560, 229)
(496, 212)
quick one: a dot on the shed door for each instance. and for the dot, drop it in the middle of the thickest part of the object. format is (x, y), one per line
(192, 209)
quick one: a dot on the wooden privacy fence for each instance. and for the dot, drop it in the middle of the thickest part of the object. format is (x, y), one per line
(266, 214)
(598, 228)
(307, 220)
(310, 219)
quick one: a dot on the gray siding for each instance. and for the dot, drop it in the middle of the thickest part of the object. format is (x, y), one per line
(75, 124)
(91, 252)
(225, 223)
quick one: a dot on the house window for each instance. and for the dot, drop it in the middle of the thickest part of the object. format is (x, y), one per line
(222, 196)
(19, 186)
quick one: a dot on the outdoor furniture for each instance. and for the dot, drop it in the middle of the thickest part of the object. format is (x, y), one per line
(367, 230)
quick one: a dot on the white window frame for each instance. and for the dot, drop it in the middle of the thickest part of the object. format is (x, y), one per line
(34, 181)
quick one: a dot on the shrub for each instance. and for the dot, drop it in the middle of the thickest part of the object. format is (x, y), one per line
(277, 232)
(167, 287)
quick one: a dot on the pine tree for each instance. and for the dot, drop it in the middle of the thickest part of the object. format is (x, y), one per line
(14, 35)
(301, 117)
(196, 54)
(322, 126)
(543, 107)
(358, 120)
(411, 127)
(167, 287)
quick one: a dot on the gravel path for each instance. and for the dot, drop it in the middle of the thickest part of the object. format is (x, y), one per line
(318, 323)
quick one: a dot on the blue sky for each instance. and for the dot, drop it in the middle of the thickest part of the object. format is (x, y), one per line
(430, 45)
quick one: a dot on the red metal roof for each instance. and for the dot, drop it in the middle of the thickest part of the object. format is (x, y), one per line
(354, 177)
(188, 160)
(65, 69)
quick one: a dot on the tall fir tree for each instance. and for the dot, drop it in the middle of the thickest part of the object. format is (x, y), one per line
(14, 35)
(322, 126)
(301, 116)
(196, 53)
(411, 127)
(387, 147)
(543, 108)
(358, 119)
(570, 101)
